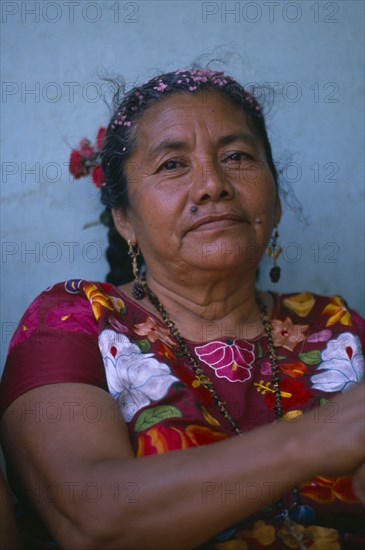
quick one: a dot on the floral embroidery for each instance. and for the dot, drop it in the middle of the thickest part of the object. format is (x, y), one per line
(293, 393)
(118, 303)
(295, 370)
(321, 336)
(97, 299)
(189, 378)
(329, 489)
(72, 316)
(134, 378)
(342, 364)
(232, 360)
(286, 334)
(161, 439)
(153, 331)
(164, 350)
(28, 324)
(209, 418)
(292, 415)
(153, 415)
(263, 533)
(301, 303)
(337, 312)
(318, 538)
(73, 286)
(117, 325)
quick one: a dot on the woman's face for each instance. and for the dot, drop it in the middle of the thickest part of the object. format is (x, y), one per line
(198, 151)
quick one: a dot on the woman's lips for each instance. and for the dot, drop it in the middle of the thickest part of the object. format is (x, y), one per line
(210, 223)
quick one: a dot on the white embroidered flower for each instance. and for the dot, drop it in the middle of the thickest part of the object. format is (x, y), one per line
(134, 378)
(342, 364)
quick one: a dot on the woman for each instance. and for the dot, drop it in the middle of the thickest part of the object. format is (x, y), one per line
(189, 356)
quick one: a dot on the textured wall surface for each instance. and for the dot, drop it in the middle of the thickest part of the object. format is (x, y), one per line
(53, 54)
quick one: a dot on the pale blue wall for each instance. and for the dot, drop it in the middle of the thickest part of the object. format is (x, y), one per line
(310, 51)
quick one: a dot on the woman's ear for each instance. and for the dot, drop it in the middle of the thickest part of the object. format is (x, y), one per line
(123, 224)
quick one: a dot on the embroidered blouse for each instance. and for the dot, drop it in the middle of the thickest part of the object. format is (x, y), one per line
(88, 332)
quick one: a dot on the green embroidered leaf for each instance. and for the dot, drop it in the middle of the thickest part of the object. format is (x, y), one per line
(143, 345)
(281, 357)
(310, 357)
(323, 401)
(150, 417)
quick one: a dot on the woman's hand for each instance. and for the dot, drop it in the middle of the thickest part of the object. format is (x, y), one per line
(336, 437)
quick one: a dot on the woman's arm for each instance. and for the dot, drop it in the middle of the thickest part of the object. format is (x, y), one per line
(92, 492)
(9, 532)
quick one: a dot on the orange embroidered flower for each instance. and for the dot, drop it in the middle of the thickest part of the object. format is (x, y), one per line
(337, 312)
(97, 299)
(286, 334)
(301, 303)
(153, 331)
(295, 370)
(165, 351)
(328, 489)
(161, 439)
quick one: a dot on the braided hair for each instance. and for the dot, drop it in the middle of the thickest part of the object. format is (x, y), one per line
(120, 141)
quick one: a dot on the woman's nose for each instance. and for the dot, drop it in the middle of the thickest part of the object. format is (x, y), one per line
(210, 183)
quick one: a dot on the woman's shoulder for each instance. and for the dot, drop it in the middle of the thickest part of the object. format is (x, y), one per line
(65, 308)
(304, 302)
(318, 312)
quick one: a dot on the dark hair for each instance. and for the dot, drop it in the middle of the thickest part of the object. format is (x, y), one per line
(120, 141)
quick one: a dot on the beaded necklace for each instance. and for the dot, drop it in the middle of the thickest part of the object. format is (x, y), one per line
(207, 383)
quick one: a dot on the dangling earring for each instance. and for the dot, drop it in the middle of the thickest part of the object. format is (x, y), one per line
(274, 251)
(138, 290)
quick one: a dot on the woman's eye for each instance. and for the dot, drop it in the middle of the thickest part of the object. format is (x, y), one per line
(238, 156)
(171, 165)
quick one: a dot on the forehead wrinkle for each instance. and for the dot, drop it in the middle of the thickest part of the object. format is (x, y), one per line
(236, 136)
(168, 144)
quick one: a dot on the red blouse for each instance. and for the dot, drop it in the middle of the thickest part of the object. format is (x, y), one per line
(86, 332)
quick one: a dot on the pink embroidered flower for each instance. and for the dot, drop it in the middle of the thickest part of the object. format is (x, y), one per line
(231, 360)
(321, 336)
(153, 331)
(286, 334)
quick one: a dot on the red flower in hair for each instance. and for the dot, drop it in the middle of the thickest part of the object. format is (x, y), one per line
(86, 160)
(98, 176)
(86, 149)
(100, 138)
(76, 164)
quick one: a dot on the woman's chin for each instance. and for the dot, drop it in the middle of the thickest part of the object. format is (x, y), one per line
(223, 253)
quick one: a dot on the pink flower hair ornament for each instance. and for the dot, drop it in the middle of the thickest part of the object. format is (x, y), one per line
(188, 80)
